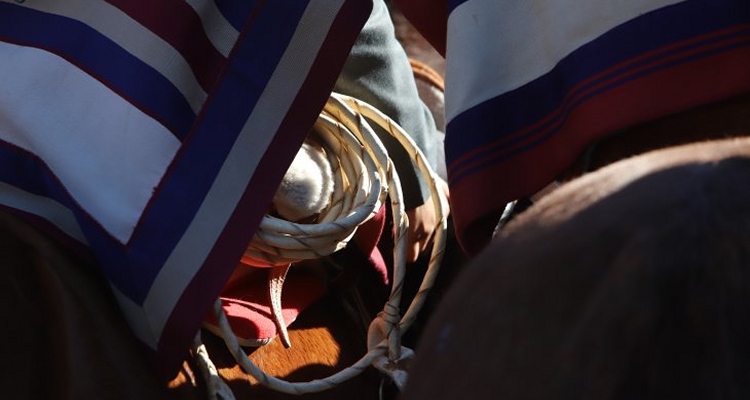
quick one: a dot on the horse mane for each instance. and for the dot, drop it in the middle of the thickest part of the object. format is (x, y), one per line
(630, 282)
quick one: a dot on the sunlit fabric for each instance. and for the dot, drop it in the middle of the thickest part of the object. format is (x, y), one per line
(529, 84)
(151, 136)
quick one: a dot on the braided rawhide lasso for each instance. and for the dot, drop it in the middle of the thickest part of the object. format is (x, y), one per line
(364, 178)
(358, 194)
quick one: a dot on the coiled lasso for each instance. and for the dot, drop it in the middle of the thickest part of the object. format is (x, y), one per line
(364, 178)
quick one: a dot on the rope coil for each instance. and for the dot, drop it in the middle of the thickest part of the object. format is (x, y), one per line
(364, 178)
(357, 197)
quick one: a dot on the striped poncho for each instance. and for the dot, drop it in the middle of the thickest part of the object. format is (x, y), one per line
(151, 135)
(530, 83)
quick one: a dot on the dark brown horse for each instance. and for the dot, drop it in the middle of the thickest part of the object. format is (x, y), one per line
(629, 282)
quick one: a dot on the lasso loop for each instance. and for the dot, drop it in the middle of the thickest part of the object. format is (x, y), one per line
(364, 177)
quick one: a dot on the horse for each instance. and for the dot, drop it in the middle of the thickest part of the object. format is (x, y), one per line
(628, 279)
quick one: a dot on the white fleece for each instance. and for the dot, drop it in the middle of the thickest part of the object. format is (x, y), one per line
(307, 186)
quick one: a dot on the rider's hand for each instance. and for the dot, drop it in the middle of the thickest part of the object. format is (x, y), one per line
(423, 222)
